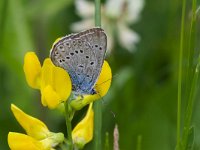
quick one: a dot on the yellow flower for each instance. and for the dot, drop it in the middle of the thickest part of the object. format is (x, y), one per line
(38, 135)
(83, 131)
(102, 86)
(53, 82)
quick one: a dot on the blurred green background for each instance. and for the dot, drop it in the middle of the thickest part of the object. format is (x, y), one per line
(143, 96)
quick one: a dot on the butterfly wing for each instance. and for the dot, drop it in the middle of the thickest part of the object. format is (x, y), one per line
(82, 56)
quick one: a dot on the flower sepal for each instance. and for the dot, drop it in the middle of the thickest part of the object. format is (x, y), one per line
(53, 139)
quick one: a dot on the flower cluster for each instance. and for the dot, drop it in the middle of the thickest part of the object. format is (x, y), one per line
(53, 82)
(38, 135)
(55, 86)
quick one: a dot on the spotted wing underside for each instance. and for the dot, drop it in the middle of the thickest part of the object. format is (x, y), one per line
(82, 56)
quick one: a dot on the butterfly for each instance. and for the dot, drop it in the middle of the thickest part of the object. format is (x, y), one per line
(81, 55)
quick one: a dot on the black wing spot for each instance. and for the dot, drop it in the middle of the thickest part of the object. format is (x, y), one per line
(60, 60)
(76, 52)
(72, 54)
(61, 47)
(96, 45)
(80, 66)
(88, 75)
(100, 48)
(79, 42)
(87, 57)
(81, 51)
(67, 44)
(92, 63)
(67, 57)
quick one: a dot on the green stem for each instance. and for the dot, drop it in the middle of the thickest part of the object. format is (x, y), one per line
(107, 147)
(190, 51)
(69, 126)
(139, 142)
(97, 125)
(98, 13)
(178, 146)
(193, 88)
(97, 104)
(190, 106)
(3, 19)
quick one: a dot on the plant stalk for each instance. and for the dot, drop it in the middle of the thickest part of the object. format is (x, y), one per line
(193, 76)
(190, 105)
(3, 19)
(97, 104)
(98, 13)
(178, 144)
(69, 126)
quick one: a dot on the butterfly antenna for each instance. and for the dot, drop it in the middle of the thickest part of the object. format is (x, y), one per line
(108, 80)
(104, 103)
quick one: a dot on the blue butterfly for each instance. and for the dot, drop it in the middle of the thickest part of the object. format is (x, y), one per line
(81, 55)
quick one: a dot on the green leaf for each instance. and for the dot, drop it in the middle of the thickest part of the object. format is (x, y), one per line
(191, 138)
(107, 146)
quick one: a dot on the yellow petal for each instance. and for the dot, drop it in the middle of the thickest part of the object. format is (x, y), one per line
(83, 132)
(50, 98)
(55, 84)
(47, 73)
(32, 69)
(18, 141)
(104, 81)
(62, 83)
(33, 126)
